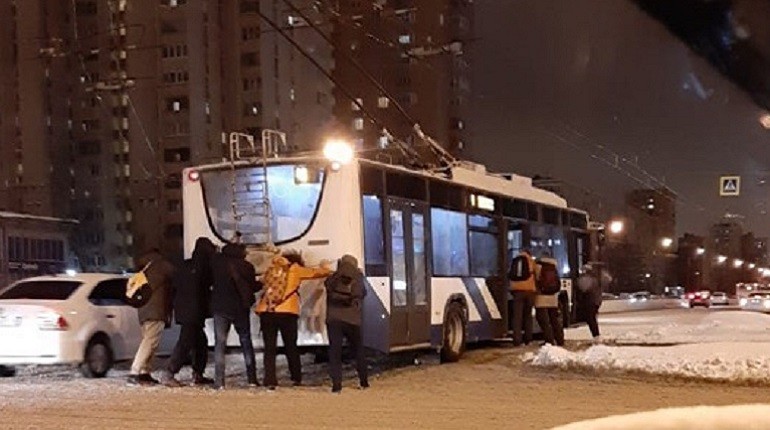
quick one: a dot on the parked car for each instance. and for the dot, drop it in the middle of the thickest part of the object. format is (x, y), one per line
(719, 298)
(639, 296)
(699, 298)
(756, 302)
(62, 319)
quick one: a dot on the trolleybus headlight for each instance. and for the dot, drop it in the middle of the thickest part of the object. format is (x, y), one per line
(339, 152)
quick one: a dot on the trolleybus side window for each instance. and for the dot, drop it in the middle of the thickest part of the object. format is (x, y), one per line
(398, 254)
(533, 211)
(515, 209)
(406, 186)
(482, 238)
(551, 216)
(449, 234)
(418, 246)
(447, 196)
(374, 242)
(550, 240)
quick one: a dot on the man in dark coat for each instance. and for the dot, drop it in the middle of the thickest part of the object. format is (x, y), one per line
(192, 291)
(154, 316)
(235, 283)
(345, 291)
(591, 285)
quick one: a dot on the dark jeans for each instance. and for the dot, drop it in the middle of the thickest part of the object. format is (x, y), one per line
(272, 323)
(549, 321)
(590, 311)
(523, 301)
(337, 331)
(222, 325)
(192, 341)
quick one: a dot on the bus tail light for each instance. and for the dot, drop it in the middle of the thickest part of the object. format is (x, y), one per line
(193, 176)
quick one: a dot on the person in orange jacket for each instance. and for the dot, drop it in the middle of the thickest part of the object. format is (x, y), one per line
(278, 310)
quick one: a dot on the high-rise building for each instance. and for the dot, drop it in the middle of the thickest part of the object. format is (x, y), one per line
(652, 217)
(725, 237)
(34, 126)
(652, 214)
(416, 50)
(105, 102)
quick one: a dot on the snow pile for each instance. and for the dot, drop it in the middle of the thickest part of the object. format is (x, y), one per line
(687, 327)
(740, 362)
(745, 417)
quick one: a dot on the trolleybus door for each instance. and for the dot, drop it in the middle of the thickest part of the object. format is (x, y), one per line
(409, 283)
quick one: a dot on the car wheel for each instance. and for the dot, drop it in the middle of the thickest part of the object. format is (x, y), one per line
(98, 359)
(454, 334)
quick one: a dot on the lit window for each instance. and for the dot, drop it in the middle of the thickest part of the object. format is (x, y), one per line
(383, 141)
(358, 124)
(356, 104)
(405, 39)
(176, 106)
(383, 102)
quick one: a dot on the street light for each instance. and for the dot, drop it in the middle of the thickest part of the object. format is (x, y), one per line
(752, 265)
(700, 251)
(666, 242)
(721, 259)
(738, 262)
(616, 227)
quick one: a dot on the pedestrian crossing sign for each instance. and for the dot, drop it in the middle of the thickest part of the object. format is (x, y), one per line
(729, 186)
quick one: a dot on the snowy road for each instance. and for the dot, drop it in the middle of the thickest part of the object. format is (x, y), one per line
(490, 388)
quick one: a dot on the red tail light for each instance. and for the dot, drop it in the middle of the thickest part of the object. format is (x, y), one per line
(52, 321)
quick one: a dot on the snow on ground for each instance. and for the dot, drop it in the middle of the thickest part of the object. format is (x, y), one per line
(745, 417)
(723, 345)
(737, 362)
(679, 326)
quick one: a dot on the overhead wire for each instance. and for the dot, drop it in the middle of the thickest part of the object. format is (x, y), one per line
(81, 61)
(438, 151)
(343, 89)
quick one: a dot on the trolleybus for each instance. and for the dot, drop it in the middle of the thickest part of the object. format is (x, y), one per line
(434, 245)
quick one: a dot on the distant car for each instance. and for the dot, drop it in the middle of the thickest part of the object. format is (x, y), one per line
(639, 296)
(699, 298)
(756, 302)
(609, 296)
(62, 319)
(719, 298)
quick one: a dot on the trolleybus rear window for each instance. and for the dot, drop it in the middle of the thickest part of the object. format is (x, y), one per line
(236, 201)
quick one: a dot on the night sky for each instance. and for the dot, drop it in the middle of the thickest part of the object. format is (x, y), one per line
(561, 87)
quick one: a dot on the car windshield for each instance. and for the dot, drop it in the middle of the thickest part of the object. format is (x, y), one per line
(41, 290)
(758, 295)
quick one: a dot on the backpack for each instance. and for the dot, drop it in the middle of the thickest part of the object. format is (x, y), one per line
(138, 291)
(549, 281)
(519, 269)
(275, 281)
(340, 291)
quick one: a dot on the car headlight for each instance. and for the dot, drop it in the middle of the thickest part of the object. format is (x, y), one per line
(743, 302)
(767, 304)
